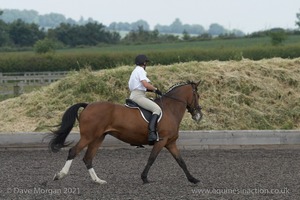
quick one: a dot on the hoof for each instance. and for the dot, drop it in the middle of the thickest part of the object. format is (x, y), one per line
(137, 145)
(145, 181)
(59, 176)
(194, 180)
(101, 182)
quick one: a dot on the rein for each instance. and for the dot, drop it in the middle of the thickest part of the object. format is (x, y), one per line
(174, 99)
(164, 95)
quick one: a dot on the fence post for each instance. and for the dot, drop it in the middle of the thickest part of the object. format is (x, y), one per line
(17, 90)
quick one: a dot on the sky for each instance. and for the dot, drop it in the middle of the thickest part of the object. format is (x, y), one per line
(246, 15)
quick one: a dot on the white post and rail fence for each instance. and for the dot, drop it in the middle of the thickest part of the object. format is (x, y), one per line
(20, 79)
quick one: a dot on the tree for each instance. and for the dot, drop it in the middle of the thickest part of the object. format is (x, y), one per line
(140, 23)
(298, 17)
(61, 33)
(162, 28)
(28, 16)
(120, 26)
(89, 34)
(204, 36)
(141, 36)
(125, 26)
(176, 26)
(23, 34)
(194, 29)
(51, 20)
(4, 37)
(238, 33)
(186, 36)
(216, 29)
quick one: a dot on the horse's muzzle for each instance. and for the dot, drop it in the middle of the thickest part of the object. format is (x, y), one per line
(197, 116)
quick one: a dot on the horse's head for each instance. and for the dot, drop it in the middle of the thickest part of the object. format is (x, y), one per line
(193, 106)
(187, 93)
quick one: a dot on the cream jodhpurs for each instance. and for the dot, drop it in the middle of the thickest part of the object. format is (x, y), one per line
(140, 98)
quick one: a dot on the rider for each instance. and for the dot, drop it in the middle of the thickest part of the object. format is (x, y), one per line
(138, 85)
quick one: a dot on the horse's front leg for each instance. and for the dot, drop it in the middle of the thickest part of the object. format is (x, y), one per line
(176, 154)
(155, 151)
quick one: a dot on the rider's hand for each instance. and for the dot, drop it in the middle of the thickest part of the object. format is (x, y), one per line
(157, 91)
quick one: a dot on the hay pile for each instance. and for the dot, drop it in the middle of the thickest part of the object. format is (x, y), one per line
(235, 95)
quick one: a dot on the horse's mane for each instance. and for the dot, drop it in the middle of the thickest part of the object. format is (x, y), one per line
(178, 85)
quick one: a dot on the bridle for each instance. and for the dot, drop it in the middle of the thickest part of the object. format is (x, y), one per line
(190, 107)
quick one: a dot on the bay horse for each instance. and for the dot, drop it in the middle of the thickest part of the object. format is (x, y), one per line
(98, 119)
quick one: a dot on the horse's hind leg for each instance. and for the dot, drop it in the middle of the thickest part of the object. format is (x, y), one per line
(88, 158)
(176, 154)
(72, 154)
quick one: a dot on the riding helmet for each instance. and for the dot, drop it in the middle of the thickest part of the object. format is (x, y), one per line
(141, 59)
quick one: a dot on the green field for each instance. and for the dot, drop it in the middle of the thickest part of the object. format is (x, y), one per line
(197, 45)
(110, 56)
(215, 44)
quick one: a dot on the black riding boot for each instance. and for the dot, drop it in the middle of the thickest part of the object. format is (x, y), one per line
(153, 136)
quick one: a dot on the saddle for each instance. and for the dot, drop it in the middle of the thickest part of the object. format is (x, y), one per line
(146, 114)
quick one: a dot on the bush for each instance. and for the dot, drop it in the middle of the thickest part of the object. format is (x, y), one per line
(277, 37)
(44, 46)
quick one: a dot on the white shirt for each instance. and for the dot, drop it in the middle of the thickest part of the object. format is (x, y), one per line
(137, 75)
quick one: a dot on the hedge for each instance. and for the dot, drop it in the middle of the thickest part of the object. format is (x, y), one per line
(20, 62)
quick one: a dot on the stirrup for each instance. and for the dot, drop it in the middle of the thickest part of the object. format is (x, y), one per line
(157, 137)
(153, 142)
(156, 140)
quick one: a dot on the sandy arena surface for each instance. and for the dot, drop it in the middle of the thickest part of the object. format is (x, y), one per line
(224, 174)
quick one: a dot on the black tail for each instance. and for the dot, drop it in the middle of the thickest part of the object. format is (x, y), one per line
(68, 121)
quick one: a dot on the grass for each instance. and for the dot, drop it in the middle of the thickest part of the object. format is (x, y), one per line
(235, 95)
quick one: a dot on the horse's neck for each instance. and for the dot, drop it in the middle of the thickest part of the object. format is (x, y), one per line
(178, 94)
(175, 103)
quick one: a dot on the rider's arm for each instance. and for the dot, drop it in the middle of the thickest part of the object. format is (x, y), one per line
(149, 86)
